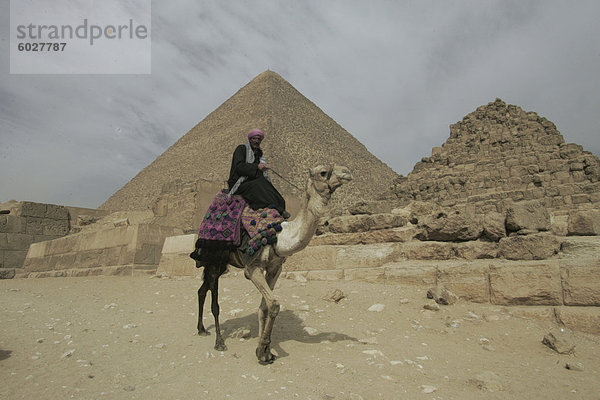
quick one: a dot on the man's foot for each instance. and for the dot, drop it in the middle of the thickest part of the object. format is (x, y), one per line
(285, 214)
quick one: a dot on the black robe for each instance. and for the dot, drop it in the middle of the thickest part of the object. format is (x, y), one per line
(256, 189)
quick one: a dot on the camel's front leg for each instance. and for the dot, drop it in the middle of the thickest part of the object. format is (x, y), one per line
(263, 351)
(271, 276)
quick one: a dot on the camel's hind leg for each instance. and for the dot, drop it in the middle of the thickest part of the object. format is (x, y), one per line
(212, 272)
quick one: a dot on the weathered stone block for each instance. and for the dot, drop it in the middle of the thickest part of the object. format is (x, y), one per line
(494, 227)
(527, 215)
(476, 250)
(88, 259)
(312, 258)
(531, 284)
(455, 226)
(12, 224)
(581, 282)
(34, 225)
(56, 212)
(14, 258)
(325, 275)
(369, 255)
(148, 254)
(54, 227)
(30, 209)
(428, 251)
(529, 247)
(177, 264)
(18, 241)
(3, 241)
(365, 274)
(468, 281)
(583, 319)
(584, 223)
(411, 274)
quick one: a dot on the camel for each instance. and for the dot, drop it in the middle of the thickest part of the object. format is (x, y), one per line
(265, 267)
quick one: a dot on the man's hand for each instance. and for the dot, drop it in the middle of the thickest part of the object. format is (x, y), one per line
(262, 167)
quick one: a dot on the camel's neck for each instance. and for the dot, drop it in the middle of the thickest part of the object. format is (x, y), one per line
(298, 232)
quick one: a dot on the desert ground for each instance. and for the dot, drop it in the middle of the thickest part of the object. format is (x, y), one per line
(135, 338)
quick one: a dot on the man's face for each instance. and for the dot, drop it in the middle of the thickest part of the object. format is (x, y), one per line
(255, 141)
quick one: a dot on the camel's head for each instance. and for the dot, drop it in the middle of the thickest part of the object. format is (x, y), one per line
(326, 179)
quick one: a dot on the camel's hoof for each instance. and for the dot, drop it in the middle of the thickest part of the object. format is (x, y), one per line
(203, 332)
(265, 357)
(220, 346)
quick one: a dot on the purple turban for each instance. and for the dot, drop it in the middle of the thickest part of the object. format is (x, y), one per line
(256, 132)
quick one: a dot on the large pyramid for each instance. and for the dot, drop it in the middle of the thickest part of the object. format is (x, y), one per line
(299, 135)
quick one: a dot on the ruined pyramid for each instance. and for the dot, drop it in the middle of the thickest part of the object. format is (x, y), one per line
(299, 136)
(499, 153)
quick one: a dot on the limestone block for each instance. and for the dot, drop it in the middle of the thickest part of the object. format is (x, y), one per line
(312, 258)
(583, 319)
(584, 223)
(57, 212)
(527, 215)
(365, 274)
(177, 264)
(581, 282)
(467, 281)
(3, 241)
(404, 234)
(12, 224)
(454, 226)
(559, 225)
(325, 275)
(148, 254)
(34, 225)
(529, 247)
(363, 223)
(526, 284)
(365, 256)
(88, 259)
(428, 250)
(14, 258)
(54, 227)
(494, 227)
(112, 256)
(18, 241)
(179, 244)
(411, 274)
(30, 209)
(476, 250)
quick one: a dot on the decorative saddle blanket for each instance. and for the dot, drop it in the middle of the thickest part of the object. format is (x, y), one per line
(221, 224)
(262, 225)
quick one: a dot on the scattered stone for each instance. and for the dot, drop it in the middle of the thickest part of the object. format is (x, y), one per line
(335, 296)
(160, 346)
(40, 340)
(431, 305)
(404, 301)
(241, 333)
(129, 326)
(129, 388)
(441, 295)
(574, 366)
(487, 381)
(376, 308)
(310, 331)
(427, 388)
(371, 340)
(373, 352)
(560, 340)
(67, 354)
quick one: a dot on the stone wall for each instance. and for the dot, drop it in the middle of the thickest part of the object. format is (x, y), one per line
(119, 250)
(500, 152)
(28, 223)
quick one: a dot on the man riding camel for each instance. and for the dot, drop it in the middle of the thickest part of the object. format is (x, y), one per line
(249, 176)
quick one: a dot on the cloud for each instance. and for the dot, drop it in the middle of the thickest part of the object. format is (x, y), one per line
(394, 74)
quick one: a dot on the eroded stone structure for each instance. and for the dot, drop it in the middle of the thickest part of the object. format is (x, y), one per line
(500, 152)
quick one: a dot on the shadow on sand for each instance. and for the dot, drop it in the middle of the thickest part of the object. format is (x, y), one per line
(287, 327)
(4, 354)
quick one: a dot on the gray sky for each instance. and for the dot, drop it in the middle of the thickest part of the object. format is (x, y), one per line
(395, 74)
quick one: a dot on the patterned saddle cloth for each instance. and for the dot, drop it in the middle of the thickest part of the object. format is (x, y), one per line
(221, 224)
(262, 225)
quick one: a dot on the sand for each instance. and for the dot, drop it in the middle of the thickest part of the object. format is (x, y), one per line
(135, 338)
